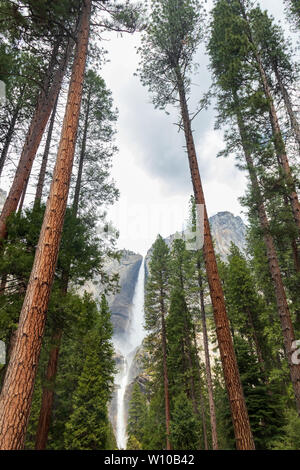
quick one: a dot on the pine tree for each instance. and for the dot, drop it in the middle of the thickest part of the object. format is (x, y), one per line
(137, 414)
(167, 50)
(156, 304)
(32, 318)
(233, 74)
(88, 426)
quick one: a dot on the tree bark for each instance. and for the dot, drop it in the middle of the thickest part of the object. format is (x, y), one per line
(35, 132)
(11, 130)
(241, 424)
(212, 408)
(48, 393)
(81, 158)
(23, 196)
(51, 373)
(281, 300)
(202, 405)
(42, 174)
(288, 104)
(16, 396)
(280, 149)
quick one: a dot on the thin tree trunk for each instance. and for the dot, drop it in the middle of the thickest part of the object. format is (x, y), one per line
(166, 380)
(81, 158)
(288, 104)
(281, 301)
(212, 408)
(202, 404)
(277, 135)
(39, 121)
(256, 341)
(16, 396)
(48, 392)
(241, 424)
(11, 130)
(23, 196)
(42, 174)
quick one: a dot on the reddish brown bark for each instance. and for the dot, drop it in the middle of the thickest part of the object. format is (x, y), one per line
(212, 408)
(16, 396)
(42, 174)
(35, 132)
(241, 424)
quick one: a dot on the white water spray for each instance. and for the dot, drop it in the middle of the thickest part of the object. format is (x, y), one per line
(127, 345)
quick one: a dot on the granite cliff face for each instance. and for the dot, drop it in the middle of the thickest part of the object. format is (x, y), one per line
(225, 229)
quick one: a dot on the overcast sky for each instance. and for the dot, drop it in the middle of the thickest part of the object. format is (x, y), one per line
(151, 169)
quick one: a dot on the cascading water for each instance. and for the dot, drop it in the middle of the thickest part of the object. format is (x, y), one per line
(127, 345)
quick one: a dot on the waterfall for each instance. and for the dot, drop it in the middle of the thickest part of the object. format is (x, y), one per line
(127, 345)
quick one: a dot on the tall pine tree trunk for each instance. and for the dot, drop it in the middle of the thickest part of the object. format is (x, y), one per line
(52, 367)
(281, 301)
(11, 129)
(35, 132)
(240, 418)
(212, 408)
(42, 174)
(16, 396)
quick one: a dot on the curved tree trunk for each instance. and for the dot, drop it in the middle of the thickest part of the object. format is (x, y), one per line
(16, 396)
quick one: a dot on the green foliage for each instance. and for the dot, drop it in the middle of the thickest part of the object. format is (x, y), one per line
(290, 433)
(184, 425)
(168, 45)
(88, 426)
(137, 415)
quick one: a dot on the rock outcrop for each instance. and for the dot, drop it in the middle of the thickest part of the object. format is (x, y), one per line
(225, 228)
